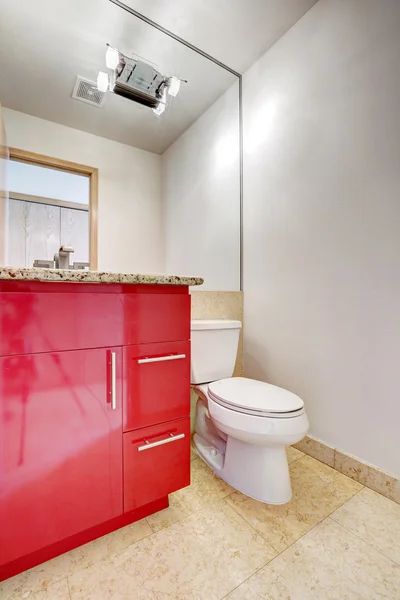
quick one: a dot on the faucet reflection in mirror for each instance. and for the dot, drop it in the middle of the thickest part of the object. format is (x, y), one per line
(137, 80)
(61, 258)
(61, 261)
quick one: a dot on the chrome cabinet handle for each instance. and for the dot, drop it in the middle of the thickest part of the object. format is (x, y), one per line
(141, 361)
(113, 380)
(171, 438)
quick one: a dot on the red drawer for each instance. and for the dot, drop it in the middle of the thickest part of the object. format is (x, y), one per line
(156, 383)
(50, 322)
(156, 318)
(156, 462)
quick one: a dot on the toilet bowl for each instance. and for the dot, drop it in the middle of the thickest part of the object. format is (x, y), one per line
(243, 425)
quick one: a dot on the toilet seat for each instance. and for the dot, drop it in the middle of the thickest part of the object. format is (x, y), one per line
(252, 397)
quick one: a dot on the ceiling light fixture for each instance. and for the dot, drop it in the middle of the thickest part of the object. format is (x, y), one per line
(102, 81)
(138, 80)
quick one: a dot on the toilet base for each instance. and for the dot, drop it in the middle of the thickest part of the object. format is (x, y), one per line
(261, 472)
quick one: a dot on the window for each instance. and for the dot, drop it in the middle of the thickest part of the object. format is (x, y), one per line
(51, 203)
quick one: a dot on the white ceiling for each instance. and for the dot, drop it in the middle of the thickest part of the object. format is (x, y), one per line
(45, 44)
(236, 32)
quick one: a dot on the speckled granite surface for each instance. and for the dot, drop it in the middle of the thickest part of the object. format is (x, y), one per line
(37, 274)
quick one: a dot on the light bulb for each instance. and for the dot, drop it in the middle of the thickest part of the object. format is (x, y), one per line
(162, 103)
(173, 86)
(160, 109)
(102, 81)
(112, 58)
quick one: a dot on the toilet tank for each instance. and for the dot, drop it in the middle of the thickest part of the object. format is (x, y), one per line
(214, 349)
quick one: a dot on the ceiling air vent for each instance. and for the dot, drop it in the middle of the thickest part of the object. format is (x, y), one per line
(86, 91)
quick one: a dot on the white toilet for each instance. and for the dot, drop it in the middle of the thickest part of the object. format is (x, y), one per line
(242, 425)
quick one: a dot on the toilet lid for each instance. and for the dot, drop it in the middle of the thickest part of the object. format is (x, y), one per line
(252, 396)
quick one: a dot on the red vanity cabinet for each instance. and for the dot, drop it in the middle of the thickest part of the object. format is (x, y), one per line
(61, 462)
(89, 374)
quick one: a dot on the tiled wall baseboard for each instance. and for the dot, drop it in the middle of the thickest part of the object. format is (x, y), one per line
(370, 476)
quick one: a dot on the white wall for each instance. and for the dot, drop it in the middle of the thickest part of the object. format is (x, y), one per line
(201, 193)
(322, 223)
(130, 204)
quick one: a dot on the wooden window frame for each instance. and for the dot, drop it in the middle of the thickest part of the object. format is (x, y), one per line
(71, 167)
(45, 200)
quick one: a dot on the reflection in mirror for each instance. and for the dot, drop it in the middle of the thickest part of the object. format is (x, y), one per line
(47, 209)
(93, 84)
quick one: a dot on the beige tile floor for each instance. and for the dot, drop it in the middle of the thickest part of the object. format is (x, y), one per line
(335, 540)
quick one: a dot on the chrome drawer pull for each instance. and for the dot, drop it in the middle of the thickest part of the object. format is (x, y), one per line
(171, 438)
(141, 361)
(113, 381)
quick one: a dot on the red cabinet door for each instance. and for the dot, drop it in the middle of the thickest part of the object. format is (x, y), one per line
(156, 383)
(156, 462)
(60, 446)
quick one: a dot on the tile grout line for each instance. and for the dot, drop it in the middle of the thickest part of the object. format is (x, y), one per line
(275, 557)
(327, 518)
(47, 588)
(363, 540)
(296, 459)
(92, 563)
(249, 524)
(323, 519)
(290, 545)
(189, 514)
(269, 543)
(247, 578)
(302, 454)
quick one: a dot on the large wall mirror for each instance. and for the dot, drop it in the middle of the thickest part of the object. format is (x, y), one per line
(161, 124)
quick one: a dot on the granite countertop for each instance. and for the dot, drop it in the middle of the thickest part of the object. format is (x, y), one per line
(79, 276)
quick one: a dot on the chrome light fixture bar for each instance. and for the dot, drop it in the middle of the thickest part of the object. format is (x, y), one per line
(137, 80)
